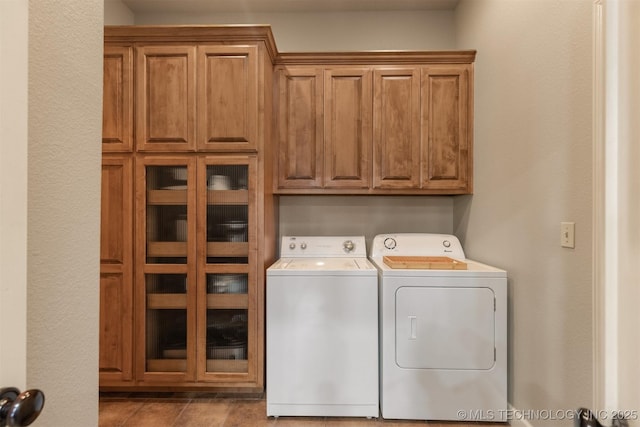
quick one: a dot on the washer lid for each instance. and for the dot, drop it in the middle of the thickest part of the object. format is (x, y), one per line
(323, 267)
(324, 264)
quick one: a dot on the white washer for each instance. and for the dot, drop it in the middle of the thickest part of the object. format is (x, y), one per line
(322, 329)
(443, 334)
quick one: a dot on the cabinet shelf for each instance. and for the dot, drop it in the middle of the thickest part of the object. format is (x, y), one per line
(214, 249)
(213, 365)
(166, 301)
(214, 197)
(224, 301)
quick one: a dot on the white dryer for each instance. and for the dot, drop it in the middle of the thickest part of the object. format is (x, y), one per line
(322, 329)
(443, 332)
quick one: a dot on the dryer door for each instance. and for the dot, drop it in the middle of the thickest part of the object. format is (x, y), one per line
(445, 328)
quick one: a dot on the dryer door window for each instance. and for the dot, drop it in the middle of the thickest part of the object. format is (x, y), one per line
(445, 328)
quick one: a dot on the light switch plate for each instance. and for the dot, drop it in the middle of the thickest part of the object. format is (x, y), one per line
(568, 234)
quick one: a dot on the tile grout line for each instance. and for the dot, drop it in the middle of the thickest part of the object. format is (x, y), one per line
(173, 424)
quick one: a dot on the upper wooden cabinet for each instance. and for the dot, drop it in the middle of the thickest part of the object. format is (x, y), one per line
(374, 123)
(299, 129)
(396, 117)
(228, 105)
(196, 88)
(117, 101)
(324, 127)
(447, 128)
(165, 98)
(347, 128)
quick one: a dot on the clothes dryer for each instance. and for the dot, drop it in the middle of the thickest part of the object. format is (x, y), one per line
(443, 330)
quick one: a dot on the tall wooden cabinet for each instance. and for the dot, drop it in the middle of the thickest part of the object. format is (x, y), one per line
(196, 203)
(375, 123)
(203, 127)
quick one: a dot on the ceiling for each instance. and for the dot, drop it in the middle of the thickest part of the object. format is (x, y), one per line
(235, 6)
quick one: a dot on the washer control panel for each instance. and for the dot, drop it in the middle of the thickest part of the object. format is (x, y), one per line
(323, 246)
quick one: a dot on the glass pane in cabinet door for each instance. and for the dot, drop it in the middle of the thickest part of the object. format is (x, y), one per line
(227, 283)
(166, 322)
(227, 214)
(166, 214)
(227, 340)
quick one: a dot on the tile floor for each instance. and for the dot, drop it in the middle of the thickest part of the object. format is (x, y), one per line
(214, 410)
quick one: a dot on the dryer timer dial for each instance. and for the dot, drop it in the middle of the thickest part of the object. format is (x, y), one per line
(390, 243)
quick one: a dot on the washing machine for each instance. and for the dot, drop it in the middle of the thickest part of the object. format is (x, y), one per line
(443, 330)
(322, 329)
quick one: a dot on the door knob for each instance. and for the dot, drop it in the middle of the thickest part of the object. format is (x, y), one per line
(19, 409)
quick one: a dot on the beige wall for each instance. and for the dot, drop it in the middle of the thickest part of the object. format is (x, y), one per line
(533, 148)
(335, 31)
(116, 13)
(63, 224)
(14, 15)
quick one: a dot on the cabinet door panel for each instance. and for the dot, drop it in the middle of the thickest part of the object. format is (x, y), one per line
(117, 118)
(396, 119)
(165, 78)
(228, 98)
(445, 127)
(116, 322)
(299, 131)
(116, 271)
(347, 120)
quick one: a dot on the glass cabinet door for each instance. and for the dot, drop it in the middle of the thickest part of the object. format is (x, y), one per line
(165, 289)
(227, 298)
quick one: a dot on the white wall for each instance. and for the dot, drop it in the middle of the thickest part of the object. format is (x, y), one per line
(533, 146)
(63, 224)
(14, 15)
(620, 348)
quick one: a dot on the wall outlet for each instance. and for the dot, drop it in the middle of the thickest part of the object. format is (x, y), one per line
(568, 234)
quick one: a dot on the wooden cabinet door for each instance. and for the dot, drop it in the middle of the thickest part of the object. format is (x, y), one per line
(299, 128)
(447, 128)
(396, 134)
(116, 269)
(165, 98)
(347, 123)
(117, 102)
(229, 326)
(165, 291)
(228, 98)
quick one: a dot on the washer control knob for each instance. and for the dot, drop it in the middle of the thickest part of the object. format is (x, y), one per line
(292, 246)
(348, 245)
(390, 243)
(303, 246)
(446, 244)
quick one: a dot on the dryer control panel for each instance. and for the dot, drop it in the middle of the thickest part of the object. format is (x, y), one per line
(417, 244)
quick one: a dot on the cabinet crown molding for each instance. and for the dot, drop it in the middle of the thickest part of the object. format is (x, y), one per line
(192, 33)
(129, 34)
